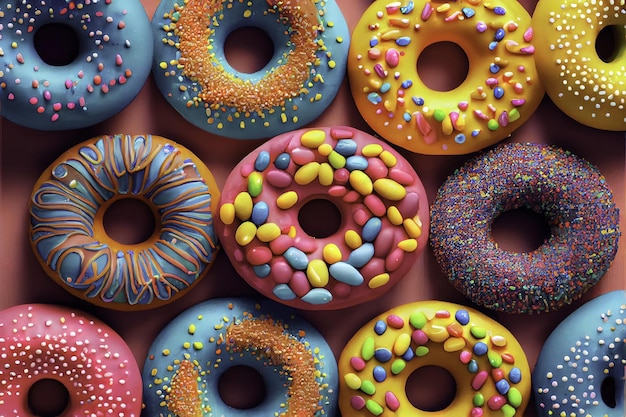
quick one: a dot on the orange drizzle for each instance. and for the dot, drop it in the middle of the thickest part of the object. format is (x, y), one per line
(269, 337)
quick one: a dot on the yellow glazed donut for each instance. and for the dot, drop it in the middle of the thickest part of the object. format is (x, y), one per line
(488, 364)
(501, 90)
(587, 88)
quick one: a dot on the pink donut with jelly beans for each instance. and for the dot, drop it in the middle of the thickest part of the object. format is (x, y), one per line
(94, 365)
(370, 218)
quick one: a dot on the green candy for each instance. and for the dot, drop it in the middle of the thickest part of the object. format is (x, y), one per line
(373, 407)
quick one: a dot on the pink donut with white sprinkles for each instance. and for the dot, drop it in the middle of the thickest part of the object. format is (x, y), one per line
(45, 342)
(367, 209)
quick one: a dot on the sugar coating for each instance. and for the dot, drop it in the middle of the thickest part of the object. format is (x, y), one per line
(568, 191)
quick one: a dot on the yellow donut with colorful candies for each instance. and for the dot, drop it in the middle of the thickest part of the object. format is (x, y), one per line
(500, 92)
(585, 85)
(366, 226)
(487, 363)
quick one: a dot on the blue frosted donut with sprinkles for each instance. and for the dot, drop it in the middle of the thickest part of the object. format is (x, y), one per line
(67, 229)
(581, 367)
(71, 64)
(301, 79)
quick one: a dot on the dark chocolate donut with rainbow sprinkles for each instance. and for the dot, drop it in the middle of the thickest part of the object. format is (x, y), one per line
(487, 363)
(378, 200)
(70, 240)
(191, 354)
(301, 79)
(103, 52)
(581, 367)
(568, 191)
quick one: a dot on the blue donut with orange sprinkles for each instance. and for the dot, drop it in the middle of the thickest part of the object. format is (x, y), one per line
(301, 79)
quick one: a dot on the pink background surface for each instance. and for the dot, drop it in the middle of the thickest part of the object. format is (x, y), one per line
(27, 152)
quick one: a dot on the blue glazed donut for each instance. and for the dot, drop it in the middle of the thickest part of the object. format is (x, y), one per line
(188, 357)
(310, 38)
(583, 352)
(67, 221)
(112, 62)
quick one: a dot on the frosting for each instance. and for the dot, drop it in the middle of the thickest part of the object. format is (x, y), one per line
(500, 92)
(584, 86)
(583, 352)
(42, 342)
(193, 351)
(382, 204)
(299, 82)
(72, 195)
(112, 63)
(488, 364)
(568, 191)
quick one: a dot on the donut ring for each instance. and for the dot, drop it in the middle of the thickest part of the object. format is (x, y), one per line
(67, 210)
(582, 85)
(501, 91)
(112, 63)
(488, 364)
(568, 191)
(96, 367)
(188, 357)
(381, 201)
(581, 353)
(310, 40)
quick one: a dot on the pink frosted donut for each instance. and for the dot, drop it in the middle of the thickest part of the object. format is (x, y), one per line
(380, 230)
(44, 342)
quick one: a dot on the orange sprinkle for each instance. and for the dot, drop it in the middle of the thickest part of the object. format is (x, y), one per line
(184, 398)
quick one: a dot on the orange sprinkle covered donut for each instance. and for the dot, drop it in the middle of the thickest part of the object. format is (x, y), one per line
(382, 223)
(488, 364)
(43, 342)
(67, 229)
(500, 92)
(310, 39)
(586, 87)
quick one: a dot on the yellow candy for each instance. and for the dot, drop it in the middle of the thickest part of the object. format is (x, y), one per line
(372, 150)
(326, 174)
(401, 344)
(352, 381)
(412, 228)
(307, 173)
(287, 200)
(227, 213)
(408, 245)
(255, 183)
(437, 334)
(388, 159)
(361, 182)
(331, 253)
(317, 273)
(245, 233)
(325, 149)
(313, 138)
(389, 189)
(353, 239)
(394, 216)
(336, 160)
(243, 206)
(454, 344)
(379, 280)
(268, 232)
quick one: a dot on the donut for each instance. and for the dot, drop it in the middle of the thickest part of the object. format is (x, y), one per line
(90, 360)
(500, 92)
(68, 236)
(568, 191)
(310, 40)
(101, 60)
(583, 85)
(584, 354)
(191, 354)
(487, 363)
(375, 195)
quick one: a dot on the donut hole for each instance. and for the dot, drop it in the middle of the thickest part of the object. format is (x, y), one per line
(56, 44)
(48, 398)
(248, 49)
(443, 66)
(608, 43)
(241, 387)
(319, 218)
(430, 388)
(129, 221)
(608, 391)
(520, 230)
